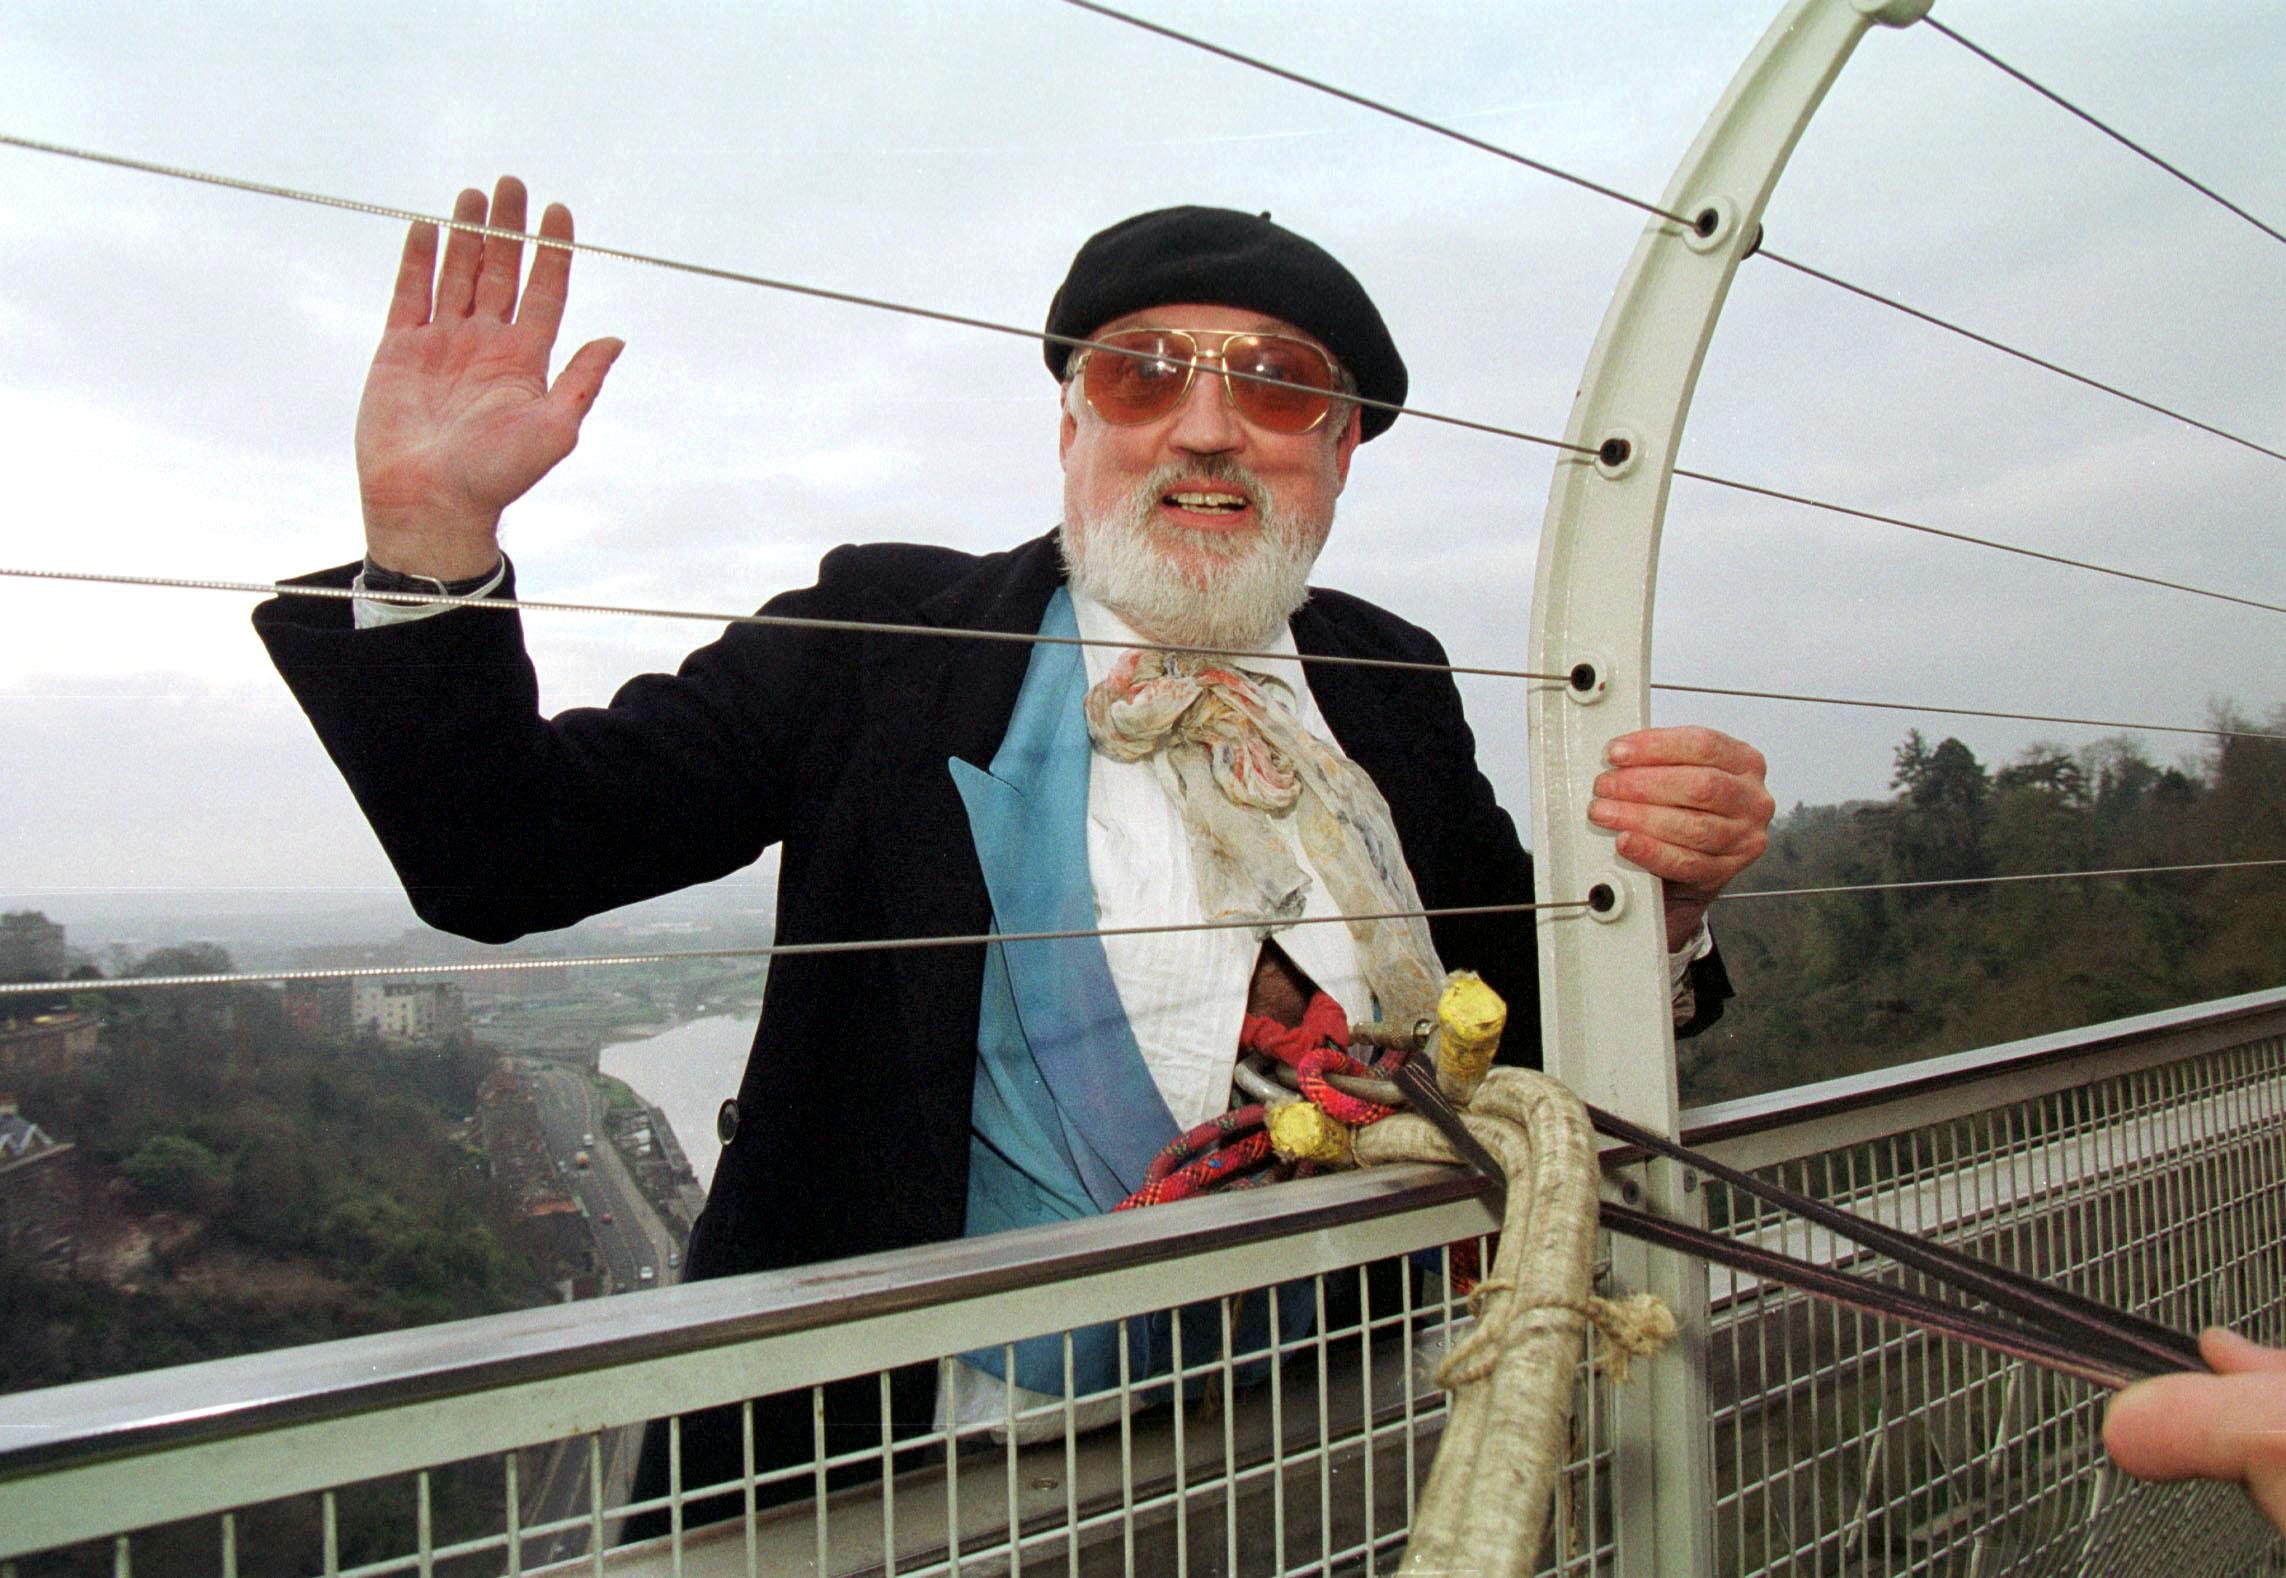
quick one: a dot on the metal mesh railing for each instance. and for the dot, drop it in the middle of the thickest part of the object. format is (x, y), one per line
(1845, 1444)
(1283, 1421)
(1280, 1420)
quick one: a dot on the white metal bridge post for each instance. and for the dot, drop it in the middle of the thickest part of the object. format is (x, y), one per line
(1605, 1027)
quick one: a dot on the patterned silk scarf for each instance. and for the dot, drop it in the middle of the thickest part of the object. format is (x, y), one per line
(1229, 749)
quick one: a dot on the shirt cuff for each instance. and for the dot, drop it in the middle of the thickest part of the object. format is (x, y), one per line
(372, 613)
(1695, 947)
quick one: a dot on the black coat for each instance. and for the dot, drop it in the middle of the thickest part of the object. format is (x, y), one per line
(834, 744)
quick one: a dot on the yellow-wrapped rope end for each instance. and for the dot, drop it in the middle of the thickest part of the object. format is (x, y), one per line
(1302, 1132)
(1470, 1018)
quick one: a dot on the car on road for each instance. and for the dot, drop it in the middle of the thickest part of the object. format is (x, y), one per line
(607, 1217)
(646, 1274)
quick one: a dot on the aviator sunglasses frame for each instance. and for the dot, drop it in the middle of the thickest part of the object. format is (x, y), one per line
(1244, 390)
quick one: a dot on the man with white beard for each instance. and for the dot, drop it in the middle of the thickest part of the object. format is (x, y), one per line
(940, 785)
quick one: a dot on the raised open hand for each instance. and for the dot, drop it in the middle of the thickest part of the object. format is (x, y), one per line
(458, 418)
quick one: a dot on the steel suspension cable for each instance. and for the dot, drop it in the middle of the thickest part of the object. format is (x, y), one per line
(1762, 491)
(1959, 712)
(2117, 136)
(2006, 349)
(963, 633)
(1379, 107)
(350, 205)
(769, 621)
(731, 276)
(1991, 881)
(779, 950)
(794, 950)
(1688, 221)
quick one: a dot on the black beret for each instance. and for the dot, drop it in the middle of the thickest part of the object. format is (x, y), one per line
(1225, 258)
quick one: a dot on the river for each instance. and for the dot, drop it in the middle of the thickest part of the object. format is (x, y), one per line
(687, 1073)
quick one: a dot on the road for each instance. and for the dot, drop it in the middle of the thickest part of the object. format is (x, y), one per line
(628, 1236)
(628, 1233)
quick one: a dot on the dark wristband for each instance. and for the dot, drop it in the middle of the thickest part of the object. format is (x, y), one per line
(377, 581)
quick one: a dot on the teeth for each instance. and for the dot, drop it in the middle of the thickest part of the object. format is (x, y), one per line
(1207, 501)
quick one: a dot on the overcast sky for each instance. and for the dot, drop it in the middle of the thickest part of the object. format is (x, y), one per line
(179, 365)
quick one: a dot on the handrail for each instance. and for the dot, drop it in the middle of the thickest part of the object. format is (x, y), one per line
(123, 1415)
(88, 1421)
(1744, 1131)
(93, 1452)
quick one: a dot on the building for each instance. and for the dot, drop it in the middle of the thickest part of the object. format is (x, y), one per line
(321, 1008)
(47, 1043)
(407, 1010)
(31, 948)
(38, 1213)
(543, 1216)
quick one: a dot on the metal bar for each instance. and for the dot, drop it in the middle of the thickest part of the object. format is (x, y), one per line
(514, 1516)
(1978, 1193)
(1605, 1028)
(1364, 1414)
(1833, 1113)
(1126, 1455)
(818, 1478)
(595, 1503)
(1071, 1470)
(1287, 1227)
(1182, 1453)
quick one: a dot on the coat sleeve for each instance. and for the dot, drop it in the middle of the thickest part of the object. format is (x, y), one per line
(500, 821)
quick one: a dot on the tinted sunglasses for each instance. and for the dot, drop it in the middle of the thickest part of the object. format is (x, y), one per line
(1146, 373)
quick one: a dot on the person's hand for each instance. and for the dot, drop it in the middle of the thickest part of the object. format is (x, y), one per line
(2229, 1425)
(1689, 807)
(458, 419)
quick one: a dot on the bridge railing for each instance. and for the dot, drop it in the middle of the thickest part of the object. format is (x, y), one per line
(2142, 1161)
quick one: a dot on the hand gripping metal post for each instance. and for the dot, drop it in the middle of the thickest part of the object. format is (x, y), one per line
(1605, 1024)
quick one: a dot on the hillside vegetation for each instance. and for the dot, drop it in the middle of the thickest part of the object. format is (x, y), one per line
(1838, 983)
(245, 1186)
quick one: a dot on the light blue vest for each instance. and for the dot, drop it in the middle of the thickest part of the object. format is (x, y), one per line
(1065, 1116)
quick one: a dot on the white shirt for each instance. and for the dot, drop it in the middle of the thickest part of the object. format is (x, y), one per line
(1185, 992)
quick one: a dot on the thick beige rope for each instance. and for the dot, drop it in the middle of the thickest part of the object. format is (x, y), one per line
(1485, 1507)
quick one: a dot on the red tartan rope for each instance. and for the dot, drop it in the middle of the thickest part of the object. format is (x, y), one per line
(1194, 1144)
(1233, 1150)
(1223, 1165)
(1316, 1047)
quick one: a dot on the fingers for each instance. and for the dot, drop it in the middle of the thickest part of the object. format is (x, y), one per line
(1709, 790)
(1688, 804)
(2227, 1353)
(1690, 746)
(503, 259)
(2226, 1426)
(409, 305)
(2207, 1426)
(1690, 873)
(582, 378)
(550, 284)
(2158, 1430)
(1687, 846)
(456, 281)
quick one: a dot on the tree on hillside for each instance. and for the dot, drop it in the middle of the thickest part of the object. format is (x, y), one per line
(1853, 980)
(1938, 822)
(190, 958)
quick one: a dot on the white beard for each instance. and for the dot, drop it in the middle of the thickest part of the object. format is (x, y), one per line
(1253, 589)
